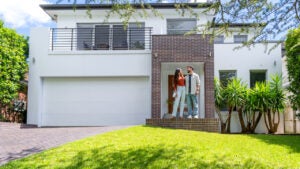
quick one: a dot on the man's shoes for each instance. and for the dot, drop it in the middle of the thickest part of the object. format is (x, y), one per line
(196, 117)
(189, 117)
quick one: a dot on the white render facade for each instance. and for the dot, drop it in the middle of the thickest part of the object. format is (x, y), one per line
(71, 87)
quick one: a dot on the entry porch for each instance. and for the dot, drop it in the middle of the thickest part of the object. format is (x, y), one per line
(170, 52)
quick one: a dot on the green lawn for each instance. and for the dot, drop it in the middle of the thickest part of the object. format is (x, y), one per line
(148, 147)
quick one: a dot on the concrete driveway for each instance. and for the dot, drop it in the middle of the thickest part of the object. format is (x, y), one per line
(17, 142)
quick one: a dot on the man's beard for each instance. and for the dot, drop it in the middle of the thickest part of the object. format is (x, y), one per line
(189, 71)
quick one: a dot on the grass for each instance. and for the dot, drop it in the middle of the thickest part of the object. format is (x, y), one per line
(149, 147)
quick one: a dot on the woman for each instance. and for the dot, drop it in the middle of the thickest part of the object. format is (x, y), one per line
(179, 89)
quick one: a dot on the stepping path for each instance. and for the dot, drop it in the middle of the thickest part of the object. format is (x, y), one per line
(18, 141)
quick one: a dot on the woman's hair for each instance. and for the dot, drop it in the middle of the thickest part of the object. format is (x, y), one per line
(176, 76)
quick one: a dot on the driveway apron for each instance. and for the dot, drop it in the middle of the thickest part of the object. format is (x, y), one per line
(18, 142)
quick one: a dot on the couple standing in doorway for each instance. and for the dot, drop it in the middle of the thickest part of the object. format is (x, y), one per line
(186, 87)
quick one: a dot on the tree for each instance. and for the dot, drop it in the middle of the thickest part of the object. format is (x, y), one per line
(276, 104)
(252, 112)
(292, 45)
(268, 19)
(219, 100)
(26, 46)
(12, 64)
(265, 99)
(235, 97)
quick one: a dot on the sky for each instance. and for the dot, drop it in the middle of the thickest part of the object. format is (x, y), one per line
(21, 15)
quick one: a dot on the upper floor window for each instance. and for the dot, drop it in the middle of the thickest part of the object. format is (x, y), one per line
(219, 39)
(180, 26)
(110, 36)
(226, 76)
(240, 38)
(257, 76)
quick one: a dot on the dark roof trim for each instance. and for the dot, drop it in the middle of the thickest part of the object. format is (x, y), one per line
(238, 24)
(109, 6)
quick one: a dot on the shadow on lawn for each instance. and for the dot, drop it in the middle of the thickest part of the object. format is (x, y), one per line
(153, 157)
(290, 141)
(12, 156)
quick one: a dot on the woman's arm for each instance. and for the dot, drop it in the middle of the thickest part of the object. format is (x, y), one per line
(174, 86)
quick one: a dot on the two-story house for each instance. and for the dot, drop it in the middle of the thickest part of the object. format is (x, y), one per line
(87, 72)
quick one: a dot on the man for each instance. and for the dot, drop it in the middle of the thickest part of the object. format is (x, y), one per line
(192, 89)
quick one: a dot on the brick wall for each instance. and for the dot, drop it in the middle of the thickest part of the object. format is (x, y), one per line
(180, 48)
(207, 124)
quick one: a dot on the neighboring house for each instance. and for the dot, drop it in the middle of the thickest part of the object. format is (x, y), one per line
(89, 73)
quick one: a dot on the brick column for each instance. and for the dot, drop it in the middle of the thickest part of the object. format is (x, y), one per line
(180, 48)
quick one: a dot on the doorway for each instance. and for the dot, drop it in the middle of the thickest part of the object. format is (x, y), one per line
(167, 75)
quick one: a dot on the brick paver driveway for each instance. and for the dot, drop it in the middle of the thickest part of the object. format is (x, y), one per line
(17, 142)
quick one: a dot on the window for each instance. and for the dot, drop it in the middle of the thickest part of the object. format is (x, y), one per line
(110, 36)
(219, 39)
(84, 36)
(226, 76)
(101, 37)
(257, 76)
(136, 36)
(119, 37)
(180, 26)
(240, 38)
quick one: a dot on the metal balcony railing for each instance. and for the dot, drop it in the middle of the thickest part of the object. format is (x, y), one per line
(100, 37)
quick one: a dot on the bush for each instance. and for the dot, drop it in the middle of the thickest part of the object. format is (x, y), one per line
(265, 99)
(292, 45)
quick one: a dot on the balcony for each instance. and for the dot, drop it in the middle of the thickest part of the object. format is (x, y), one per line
(100, 37)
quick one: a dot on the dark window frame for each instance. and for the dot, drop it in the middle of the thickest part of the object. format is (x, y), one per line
(219, 39)
(179, 31)
(240, 38)
(224, 106)
(252, 83)
(126, 39)
(227, 71)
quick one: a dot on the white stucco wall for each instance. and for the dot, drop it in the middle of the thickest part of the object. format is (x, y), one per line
(96, 63)
(45, 63)
(69, 18)
(245, 59)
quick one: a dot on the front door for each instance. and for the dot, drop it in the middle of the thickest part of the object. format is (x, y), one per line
(170, 93)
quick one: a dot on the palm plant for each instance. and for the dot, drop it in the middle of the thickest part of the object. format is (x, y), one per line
(235, 95)
(251, 104)
(219, 100)
(256, 104)
(272, 115)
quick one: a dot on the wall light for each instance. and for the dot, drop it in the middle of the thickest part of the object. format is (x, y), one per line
(155, 55)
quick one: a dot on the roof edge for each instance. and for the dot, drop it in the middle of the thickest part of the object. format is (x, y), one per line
(238, 24)
(109, 6)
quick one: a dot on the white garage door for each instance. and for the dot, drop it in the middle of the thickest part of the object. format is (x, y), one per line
(95, 101)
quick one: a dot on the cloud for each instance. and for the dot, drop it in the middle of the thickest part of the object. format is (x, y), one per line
(23, 13)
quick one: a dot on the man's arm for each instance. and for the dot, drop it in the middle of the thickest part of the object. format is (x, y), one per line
(197, 85)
